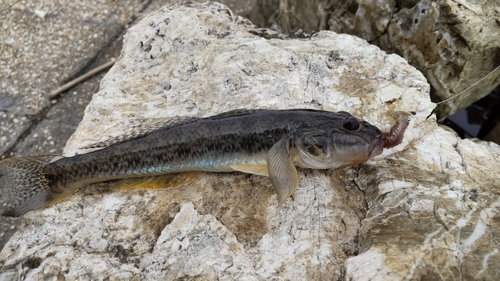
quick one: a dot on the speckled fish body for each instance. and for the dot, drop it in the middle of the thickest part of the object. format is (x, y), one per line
(264, 142)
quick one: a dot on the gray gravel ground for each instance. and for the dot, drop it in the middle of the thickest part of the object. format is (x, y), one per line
(43, 44)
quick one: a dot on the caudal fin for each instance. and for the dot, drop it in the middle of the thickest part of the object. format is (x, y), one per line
(25, 184)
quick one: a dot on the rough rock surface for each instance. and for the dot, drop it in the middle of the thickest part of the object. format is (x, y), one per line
(453, 43)
(46, 30)
(42, 45)
(428, 210)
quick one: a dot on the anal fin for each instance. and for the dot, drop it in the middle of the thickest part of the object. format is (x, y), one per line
(260, 170)
(57, 199)
(152, 183)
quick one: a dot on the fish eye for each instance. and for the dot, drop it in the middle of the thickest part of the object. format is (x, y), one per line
(351, 124)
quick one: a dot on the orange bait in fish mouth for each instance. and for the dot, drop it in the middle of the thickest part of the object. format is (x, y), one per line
(396, 134)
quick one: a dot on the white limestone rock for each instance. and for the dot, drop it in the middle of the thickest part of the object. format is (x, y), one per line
(453, 43)
(433, 212)
(434, 196)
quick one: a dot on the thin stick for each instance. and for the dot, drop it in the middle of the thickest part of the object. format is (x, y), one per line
(80, 79)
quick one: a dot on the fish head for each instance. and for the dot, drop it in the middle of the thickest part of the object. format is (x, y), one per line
(346, 142)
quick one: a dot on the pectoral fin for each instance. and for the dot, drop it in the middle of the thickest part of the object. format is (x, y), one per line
(251, 169)
(282, 170)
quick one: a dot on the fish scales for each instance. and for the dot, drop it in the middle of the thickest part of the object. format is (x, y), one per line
(264, 142)
(175, 149)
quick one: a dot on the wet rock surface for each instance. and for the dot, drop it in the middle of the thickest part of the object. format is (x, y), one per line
(453, 43)
(427, 209)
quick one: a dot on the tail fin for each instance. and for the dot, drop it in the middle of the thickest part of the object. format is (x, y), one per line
(25, 184)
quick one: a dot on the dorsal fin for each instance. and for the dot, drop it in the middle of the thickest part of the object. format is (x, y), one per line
(143, 130)
(147, 128)
(234, 113)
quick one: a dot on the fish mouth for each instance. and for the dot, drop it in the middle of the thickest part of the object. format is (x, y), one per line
(377, 145)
